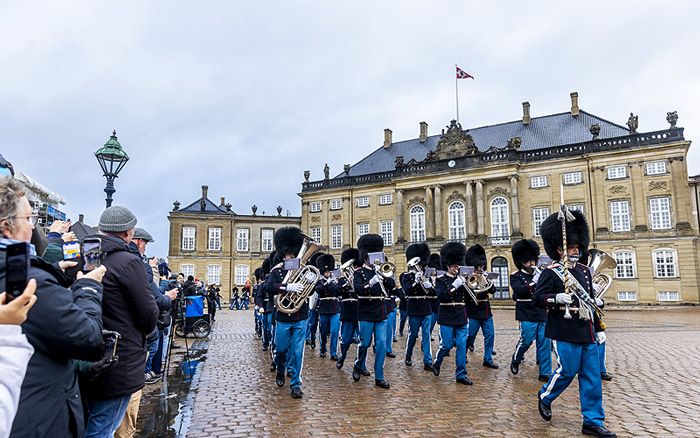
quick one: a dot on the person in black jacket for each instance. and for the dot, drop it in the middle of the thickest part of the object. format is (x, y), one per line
(454, 322)
(290, 330)
(371, 289)
(328, 307)
(573, 325)
(129, 308)
(419, 292)
(434, 262)
(265, 302)
(348, 306)
(64, 325)
(530, 318)
(480, 315)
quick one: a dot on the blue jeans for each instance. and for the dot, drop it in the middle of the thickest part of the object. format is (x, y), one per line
(289, 340)
(330, 325)
(601, 358)
(486, 326)
(454, 336)
(390, 330)
(312, 325)
(367, 329)
(347, 333)
(581, 359)
(105, 416)
(422, 323)
(267, 329)
(534, 331)
(152, 348)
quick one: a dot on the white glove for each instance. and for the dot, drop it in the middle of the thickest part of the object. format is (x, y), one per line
(458, 282)
(419, 275)
(599, 302)
(536, 278)
(374, 280)
(563, 298)
(256, 308)
(295, 287)
(427, 284)
(600, 337)
(596, 288)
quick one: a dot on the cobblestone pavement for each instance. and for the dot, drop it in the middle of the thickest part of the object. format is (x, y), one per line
(653, 355)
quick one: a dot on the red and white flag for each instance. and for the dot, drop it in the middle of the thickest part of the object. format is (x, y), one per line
(461, 74)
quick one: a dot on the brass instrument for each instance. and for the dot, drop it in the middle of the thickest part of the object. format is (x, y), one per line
(600, 260)
(385, 270)
(467, 279)
(348, 272)
(307, 275)
(414, 265)
(478, 282)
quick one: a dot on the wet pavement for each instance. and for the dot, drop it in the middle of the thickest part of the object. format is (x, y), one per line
(652, 354)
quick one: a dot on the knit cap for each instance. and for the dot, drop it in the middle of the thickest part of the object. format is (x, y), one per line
(117, 219)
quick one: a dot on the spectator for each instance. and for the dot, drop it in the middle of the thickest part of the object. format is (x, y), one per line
(128, 308)
(211, 301)
(64, 324)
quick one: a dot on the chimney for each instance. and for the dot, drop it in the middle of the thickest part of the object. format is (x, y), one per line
(526, 113)
(423, 132)
(223, 201)
(81, 218)
(387, 138)
(205, 190)
(574, 104)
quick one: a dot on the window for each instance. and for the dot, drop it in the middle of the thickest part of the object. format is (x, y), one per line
(617, 172)
(214, 274)
(336, 204)
(336, 236)
(242, 272)
(362, 229)
(669, 296)
(664, 263)
(538, 181)
(572, 178)
(455, 213)
(656, 168)
(242, 239)
(314, 207)
(577, 207)
(187, 270)
(188, 238)
(385, 199)
(500, 225)
(499, 265)
(417, 223)
(660, 213)
(539, 214)
(363, 201)
(214, 239)
(625, 264)
(627, 296)
(267, 236)
(620, 215)
(316, 234)
(386, 229)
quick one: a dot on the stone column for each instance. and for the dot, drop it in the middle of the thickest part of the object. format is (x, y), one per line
(438, 211)
(480, 223)
(638, 205)
(429, 216)
(399, 215)
(680, 194)
(514, 207)
(599, 201)
(471, 222)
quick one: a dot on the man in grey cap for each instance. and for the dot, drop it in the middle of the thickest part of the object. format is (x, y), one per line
(129, 308)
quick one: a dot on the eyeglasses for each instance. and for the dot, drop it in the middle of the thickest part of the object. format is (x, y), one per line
(32, 218)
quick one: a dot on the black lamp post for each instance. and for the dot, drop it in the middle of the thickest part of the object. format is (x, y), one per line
(112, 159)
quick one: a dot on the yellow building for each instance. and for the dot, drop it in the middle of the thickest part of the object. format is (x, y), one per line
(219, 246)
(495, 184)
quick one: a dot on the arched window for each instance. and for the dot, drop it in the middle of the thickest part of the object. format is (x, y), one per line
(500, 222)
(455, 214)
(499, 265)
(417, 223)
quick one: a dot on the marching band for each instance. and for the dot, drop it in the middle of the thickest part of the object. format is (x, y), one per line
(558, 305)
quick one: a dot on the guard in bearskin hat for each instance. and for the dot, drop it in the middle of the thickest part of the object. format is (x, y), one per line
(571, 323)
(328, 307)
(452, 316)
(371, 289)
(290, 329)
(256, 305)
(435, 263)
(530, 318)
(479, 310)
(419, 292)
(349, 328)
(312, 326)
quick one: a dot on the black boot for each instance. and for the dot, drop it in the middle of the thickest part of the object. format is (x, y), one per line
(296, 393)
(514, 366)
(356, 373)
(279, 379)
(436, 368)
(605, 376)
(428, 367)
(382, 384)
(545, 411)
(465, 381)
(599, 431)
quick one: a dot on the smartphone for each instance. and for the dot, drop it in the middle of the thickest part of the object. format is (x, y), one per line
(92, 253)
(291, 264)
(71, 250)
(17, 266)
(111, 340)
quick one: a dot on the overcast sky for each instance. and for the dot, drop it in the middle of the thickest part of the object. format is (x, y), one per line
(244, 96)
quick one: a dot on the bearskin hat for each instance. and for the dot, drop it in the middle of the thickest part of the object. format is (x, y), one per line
(576, 233)
(523, 251)
(434, 261)
(314, 257)
(288, 240)
(452, 253)
(259, 275)
(351, 254)
(275, 259)
(418, 250)
(325, 262)
(476, 256)
(369, 243)
(266, 267)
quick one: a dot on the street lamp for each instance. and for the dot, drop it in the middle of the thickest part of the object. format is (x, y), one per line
(112, 159)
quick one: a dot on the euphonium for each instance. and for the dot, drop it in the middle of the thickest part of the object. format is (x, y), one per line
(599, 260)
(307, 275)
(478, 282)
(414, 265)
(347, 272)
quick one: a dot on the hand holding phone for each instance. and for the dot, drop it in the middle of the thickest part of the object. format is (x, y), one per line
(92, 253)
(71, 250)
(96, 274)
(17, 269)
(15, 312)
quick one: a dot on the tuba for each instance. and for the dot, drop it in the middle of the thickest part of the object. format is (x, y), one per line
(599, 260)
(307, 275)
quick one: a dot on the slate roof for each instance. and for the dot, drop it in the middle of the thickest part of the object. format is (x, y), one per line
(82, 231)
(542, 132)
(209, 207)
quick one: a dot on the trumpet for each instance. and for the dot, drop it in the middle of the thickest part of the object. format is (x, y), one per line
(307, 275)
(414, 265)
(385, 270)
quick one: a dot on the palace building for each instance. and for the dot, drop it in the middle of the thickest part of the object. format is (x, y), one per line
(218, 246)
(495, 184)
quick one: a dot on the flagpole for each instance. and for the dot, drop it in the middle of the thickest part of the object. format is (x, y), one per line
(456, 93)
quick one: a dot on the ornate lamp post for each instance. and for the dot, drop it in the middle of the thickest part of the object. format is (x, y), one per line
(112, 159)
